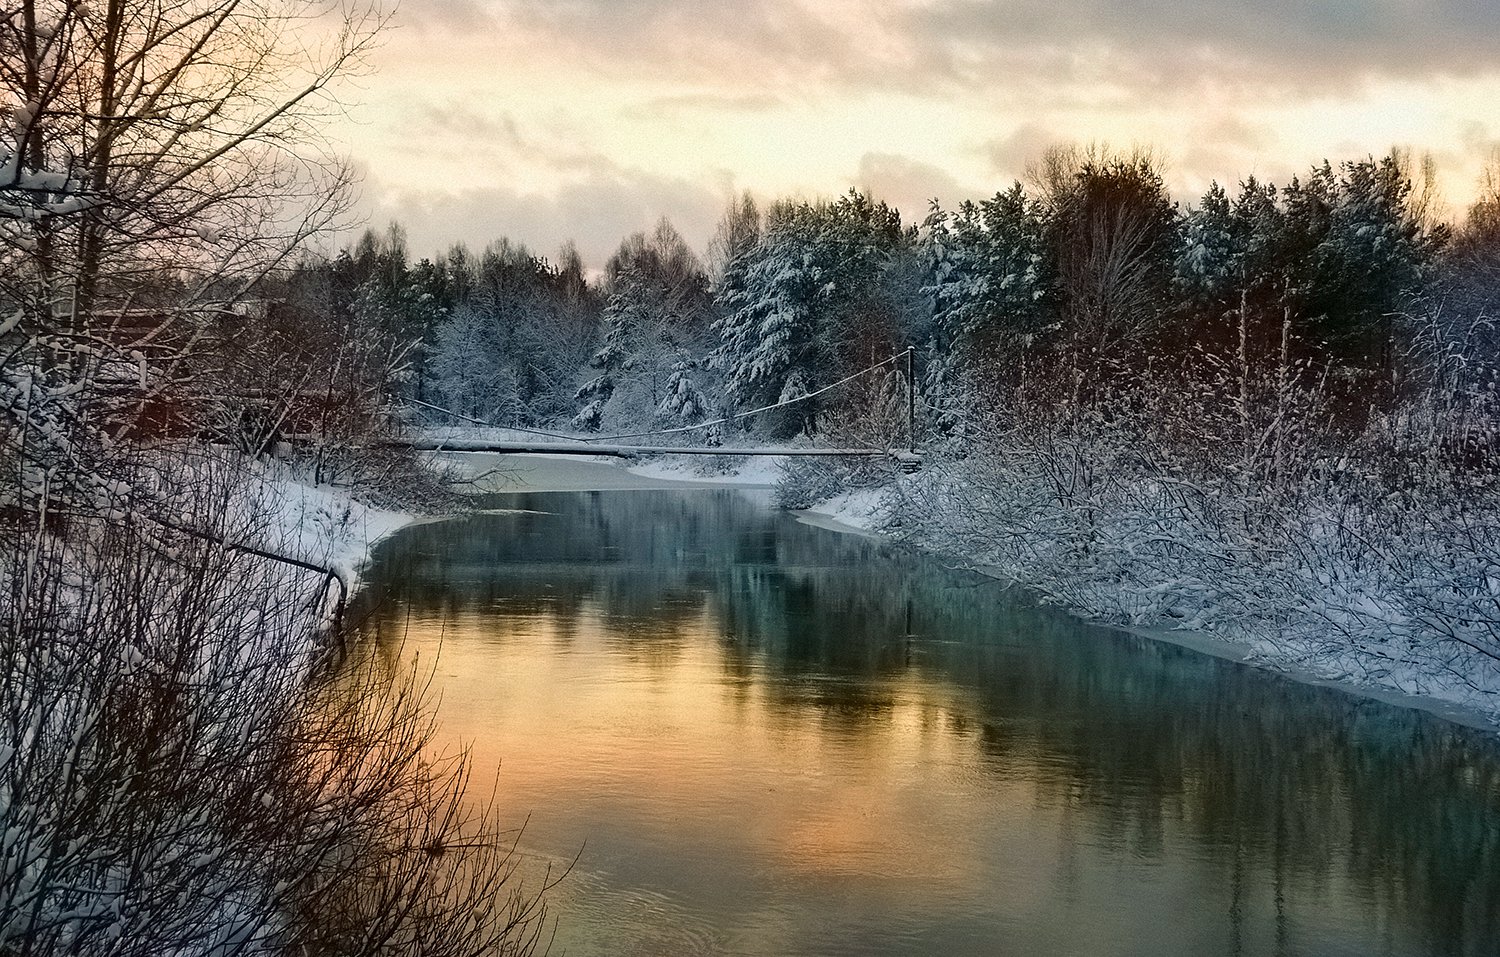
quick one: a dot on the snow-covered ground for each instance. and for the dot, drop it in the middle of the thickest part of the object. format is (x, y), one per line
(753, 471)
(1354, 603)
(860, 509)
(320, 524)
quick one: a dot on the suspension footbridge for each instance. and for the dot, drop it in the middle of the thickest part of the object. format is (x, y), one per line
(622, 446)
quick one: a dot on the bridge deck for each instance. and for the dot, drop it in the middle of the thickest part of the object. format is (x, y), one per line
(617, 451)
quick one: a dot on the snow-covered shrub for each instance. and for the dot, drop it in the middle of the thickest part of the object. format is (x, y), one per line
(179, 776)
(1347, 559)
(875, 419)
(806, 481)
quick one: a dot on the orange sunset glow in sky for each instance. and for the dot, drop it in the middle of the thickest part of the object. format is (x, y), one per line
(549, 120)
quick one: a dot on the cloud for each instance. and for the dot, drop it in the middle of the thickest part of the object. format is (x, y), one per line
(596, 211)
(1170, 48)
(497, 142)
(1232, 130)
(909, 184)
(1156, 46)
(1172, 43)
(787, 46)
(710, 103)
(436, 17)
(1010, 155)
(456, 120)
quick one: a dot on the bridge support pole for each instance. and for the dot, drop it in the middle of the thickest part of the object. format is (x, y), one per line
(911, 401)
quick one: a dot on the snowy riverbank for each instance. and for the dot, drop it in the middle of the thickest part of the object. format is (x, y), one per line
(1350, 590)
(323, 525)
(864, 512)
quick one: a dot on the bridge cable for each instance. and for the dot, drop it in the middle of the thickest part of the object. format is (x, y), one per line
(492, 425)
(741, 415)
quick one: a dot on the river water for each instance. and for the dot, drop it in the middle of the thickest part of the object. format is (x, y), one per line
(760, 737)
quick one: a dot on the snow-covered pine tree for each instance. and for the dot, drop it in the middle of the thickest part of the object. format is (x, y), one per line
(624, 321)
(955, 289)
(768, 328)
(1370, 261)
(808, 303)
(684, 398)
(990, 291)
(658, 308)
(1208, 265)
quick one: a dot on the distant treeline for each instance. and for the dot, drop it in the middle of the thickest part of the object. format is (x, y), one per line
(1058, 294)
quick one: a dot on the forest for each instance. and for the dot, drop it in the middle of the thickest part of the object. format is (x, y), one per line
(1344, 283)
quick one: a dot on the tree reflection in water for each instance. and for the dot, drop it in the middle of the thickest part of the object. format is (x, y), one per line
(1140, 750)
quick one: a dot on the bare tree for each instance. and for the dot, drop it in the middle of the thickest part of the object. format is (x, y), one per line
(739, 229)
(161, 158)
(1111, 227)
(178, 775)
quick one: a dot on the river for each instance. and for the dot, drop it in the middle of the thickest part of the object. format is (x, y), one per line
(769, 738)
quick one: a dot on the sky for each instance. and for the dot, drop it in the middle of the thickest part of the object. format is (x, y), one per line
(549, 120)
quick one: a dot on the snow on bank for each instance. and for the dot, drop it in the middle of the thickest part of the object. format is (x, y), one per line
(322, 524)
(757, 471)
(1244, 606)
(298, 532)
(860, 511)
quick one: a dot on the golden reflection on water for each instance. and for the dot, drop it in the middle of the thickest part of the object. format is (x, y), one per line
(663, 716)
(767, 739)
